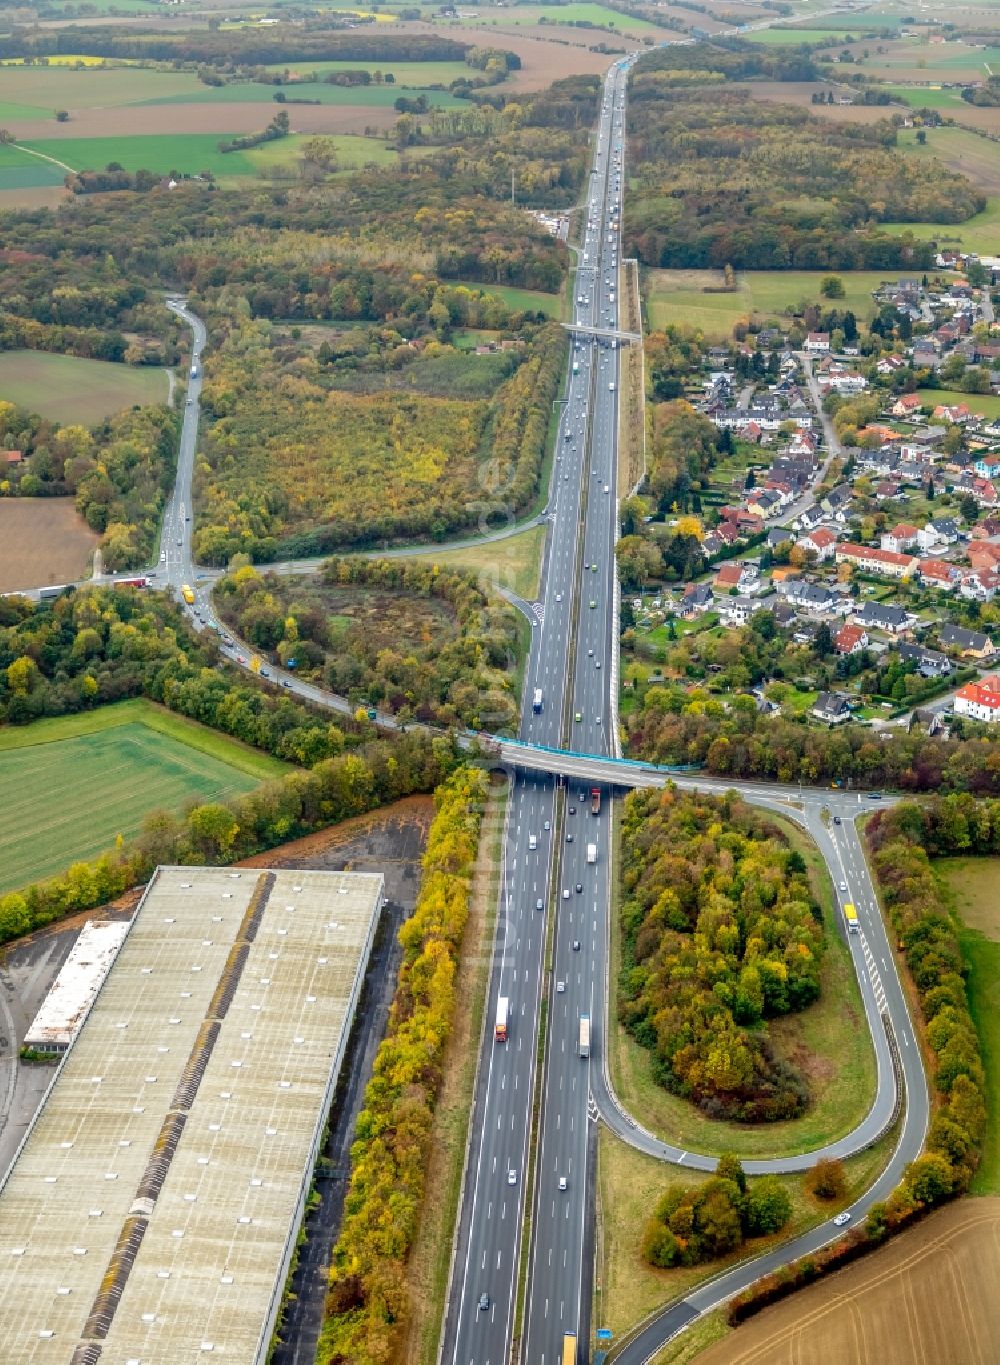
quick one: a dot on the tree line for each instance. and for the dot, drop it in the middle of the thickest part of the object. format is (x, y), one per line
(334, 789)
(367, 1303)
(691, 1225)
(719, 934)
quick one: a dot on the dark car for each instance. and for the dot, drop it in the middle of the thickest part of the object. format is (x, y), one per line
(569, 836)
(576, 945)
(579, 887)
(836, 819)
(572, 810)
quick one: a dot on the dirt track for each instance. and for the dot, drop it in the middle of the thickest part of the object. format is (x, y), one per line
(928, 1298)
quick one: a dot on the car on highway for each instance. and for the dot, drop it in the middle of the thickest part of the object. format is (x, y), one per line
(179, 541)
(560, 987)
(579, 888)
(576, 941)
(512, 1177)
(558, 596)
(569, 836)
(484, 1303)
(547, 826)
(597, 663)
(874, 796)
(607, 489)
(593, 606)
(836, 819)
(562, 1182)
(590, 653)
(841, 1219)
(572, 810)
(843, 886)
(577, 716)
(594, 566)
(565, 893)
(163, 556)
(539, 904)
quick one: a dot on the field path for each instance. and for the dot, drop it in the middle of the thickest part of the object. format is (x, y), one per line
(42, 156)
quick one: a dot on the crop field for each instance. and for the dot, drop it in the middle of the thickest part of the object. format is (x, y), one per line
(548, 52)
(407, 75)
(959, 150)
(578, 11)
(21, 171)
(930, 1295)
(677, 296)
(972, 888)
(42, 541)
(68, 793)
(71, 389)
(48, 88)
(358, 96)
(782, 37)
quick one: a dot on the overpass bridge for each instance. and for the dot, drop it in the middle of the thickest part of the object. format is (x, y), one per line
(601, 333)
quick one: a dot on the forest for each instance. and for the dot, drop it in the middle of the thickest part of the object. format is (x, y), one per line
(719, 933)
(119, 473)
(424, 643)
(689, 1226)
(291, 466)
(724, 179)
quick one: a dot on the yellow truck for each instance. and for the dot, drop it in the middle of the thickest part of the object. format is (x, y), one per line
(851, 918)
(187, 593)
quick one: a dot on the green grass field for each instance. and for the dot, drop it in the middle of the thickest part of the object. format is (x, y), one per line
(369, 96)
(70, 786)
(922, 97)
(578, 11)
(526, 299)
(70, 389)
(20, 170)
(408, 75)
(513, 563)
(973, 887)
(986, 403)
(47, 88)
(782, 37)
(676, 296)
(980, 233)
(185, 153)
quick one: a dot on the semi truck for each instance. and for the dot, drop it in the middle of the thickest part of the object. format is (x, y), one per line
(569, 1348)
(595, 800)
(502, 1010)
(851, 918)
(584, 1035)
(591, 853)
(536, 701)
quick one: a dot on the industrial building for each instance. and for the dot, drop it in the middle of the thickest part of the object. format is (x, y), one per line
(151, 1212)
(73, 992)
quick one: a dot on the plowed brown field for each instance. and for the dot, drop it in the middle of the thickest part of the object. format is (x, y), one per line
(42, 541)
(140, 119)
(928, 1298)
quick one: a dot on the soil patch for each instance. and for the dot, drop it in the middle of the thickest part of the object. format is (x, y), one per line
(545, 57)
(42, 541)
(801, 92)
(930, 1295)
(177, 119)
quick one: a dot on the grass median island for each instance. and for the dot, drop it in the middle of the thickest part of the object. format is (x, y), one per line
(513, 563)
(630, 1183)
(70, 786)
(828, 1043)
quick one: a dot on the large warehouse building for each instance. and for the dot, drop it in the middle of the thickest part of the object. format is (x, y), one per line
(152, 1210)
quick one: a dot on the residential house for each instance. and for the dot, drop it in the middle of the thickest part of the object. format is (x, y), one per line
(736, 611)
(901, 538)
(851, 639)
(930, 662)
(697, 598)
(889, 364)
(809, 519)
(938, 573)
(979, 700)
(882, 616)
(11, 458)
(887, 490)
(838, 501)
(803, 442)
(907, 405)
(831, 708)
(871, 560)
(952, 413)
(925, 356)
(988, 466)
(821, 542)
(939, 531)
(764, 502)
(736, 574)
(980, 586)
(970, 643)
(818, 343)
(989, 526)
(814, 599)
(779, 535)
(984, 554)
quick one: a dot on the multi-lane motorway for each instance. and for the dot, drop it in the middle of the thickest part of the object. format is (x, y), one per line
(551, 951)
(546, 873)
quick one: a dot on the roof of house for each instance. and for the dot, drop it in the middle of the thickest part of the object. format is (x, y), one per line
(986, 692)
(964, 638)
(821, 537)
(880, 614)
(904, 531)
(848, 636)
(830, 704)
(729, 575)
(937, 568)
(853, 551)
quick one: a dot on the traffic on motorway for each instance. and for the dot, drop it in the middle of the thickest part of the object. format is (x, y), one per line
(552, 937)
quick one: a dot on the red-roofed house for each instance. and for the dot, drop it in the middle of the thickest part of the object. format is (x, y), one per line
(906, 405)
(818, 343)
(952, 412)
(938, 573)
(12, 457)
(900, 538)
(870, 560)
(851, 639)
(821, 541)
(979, 700)
(984, 554)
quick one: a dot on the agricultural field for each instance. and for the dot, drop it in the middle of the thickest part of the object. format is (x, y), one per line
(70, 786)
(959, 150)
(785, 37)
(43, 541)
(548, 52)
(929, 1295)
(677, 296)
(72, 389)
(972, 890)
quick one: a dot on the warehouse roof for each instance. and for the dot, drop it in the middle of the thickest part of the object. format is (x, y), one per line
(73, 991)
(154, 1203)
